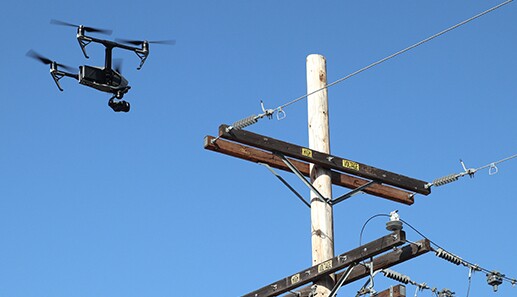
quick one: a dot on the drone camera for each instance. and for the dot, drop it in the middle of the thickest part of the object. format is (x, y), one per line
(119, 106)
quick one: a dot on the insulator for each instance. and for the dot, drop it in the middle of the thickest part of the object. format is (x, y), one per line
(245, 122)
(446, 293)
(494, 279)
(449, 257)
(396, 276)
(445, 180)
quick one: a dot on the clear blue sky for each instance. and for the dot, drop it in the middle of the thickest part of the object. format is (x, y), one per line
(94, 203)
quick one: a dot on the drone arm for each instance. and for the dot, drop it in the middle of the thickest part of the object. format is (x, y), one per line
(142, 52)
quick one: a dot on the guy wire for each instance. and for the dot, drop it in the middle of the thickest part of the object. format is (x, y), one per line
(281, 107)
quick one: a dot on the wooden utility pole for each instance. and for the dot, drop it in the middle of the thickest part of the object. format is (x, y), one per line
(322, 229)
(324, 170)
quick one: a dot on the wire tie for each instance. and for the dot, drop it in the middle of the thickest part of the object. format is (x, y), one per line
(492, 169)
(280, 114)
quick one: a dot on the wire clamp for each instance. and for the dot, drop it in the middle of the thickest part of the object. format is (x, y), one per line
(266, 112)
(470, 171)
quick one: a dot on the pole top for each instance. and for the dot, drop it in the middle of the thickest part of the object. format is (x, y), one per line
(316, 56)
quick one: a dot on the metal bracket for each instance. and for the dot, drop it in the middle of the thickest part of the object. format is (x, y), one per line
(302, 178)
(353, 192)
(342, 280)
(286, 184)
(310, 186)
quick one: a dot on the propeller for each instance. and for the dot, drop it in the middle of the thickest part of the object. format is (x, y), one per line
(140, 42)
(47, 61)
(117, 65)
(87, 29)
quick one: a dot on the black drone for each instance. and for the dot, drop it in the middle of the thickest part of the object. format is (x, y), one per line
(106, 79)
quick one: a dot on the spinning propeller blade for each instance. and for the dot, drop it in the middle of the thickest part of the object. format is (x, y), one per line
(87, 29)
(117, 65)
(140, 42)
(47, 61)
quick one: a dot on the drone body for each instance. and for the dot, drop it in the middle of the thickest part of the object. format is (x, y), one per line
(107, 78)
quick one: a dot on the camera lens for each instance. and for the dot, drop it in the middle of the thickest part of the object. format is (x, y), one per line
(119, 106)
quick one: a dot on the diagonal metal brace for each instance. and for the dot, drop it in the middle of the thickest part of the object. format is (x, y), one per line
(300, 175)
(353, 192)
(286, 184)
(343, 278)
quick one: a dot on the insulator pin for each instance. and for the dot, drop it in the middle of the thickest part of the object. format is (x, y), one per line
(245, 122)
(445, 180)
(396, 276)
(449, 257)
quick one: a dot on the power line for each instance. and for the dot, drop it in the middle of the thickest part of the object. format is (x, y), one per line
(444, 254)
(470, 172)
(280, 109)
(396, 54)
(494, 278)
(366, 223)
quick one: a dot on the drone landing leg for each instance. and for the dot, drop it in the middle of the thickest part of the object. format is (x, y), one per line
(83, 42)
(57, 75)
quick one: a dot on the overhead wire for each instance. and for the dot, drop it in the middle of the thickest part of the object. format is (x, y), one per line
(280, 109)
(491, 165)
(470, 172)
(462, 261)
(366, 223)
(443, 252)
